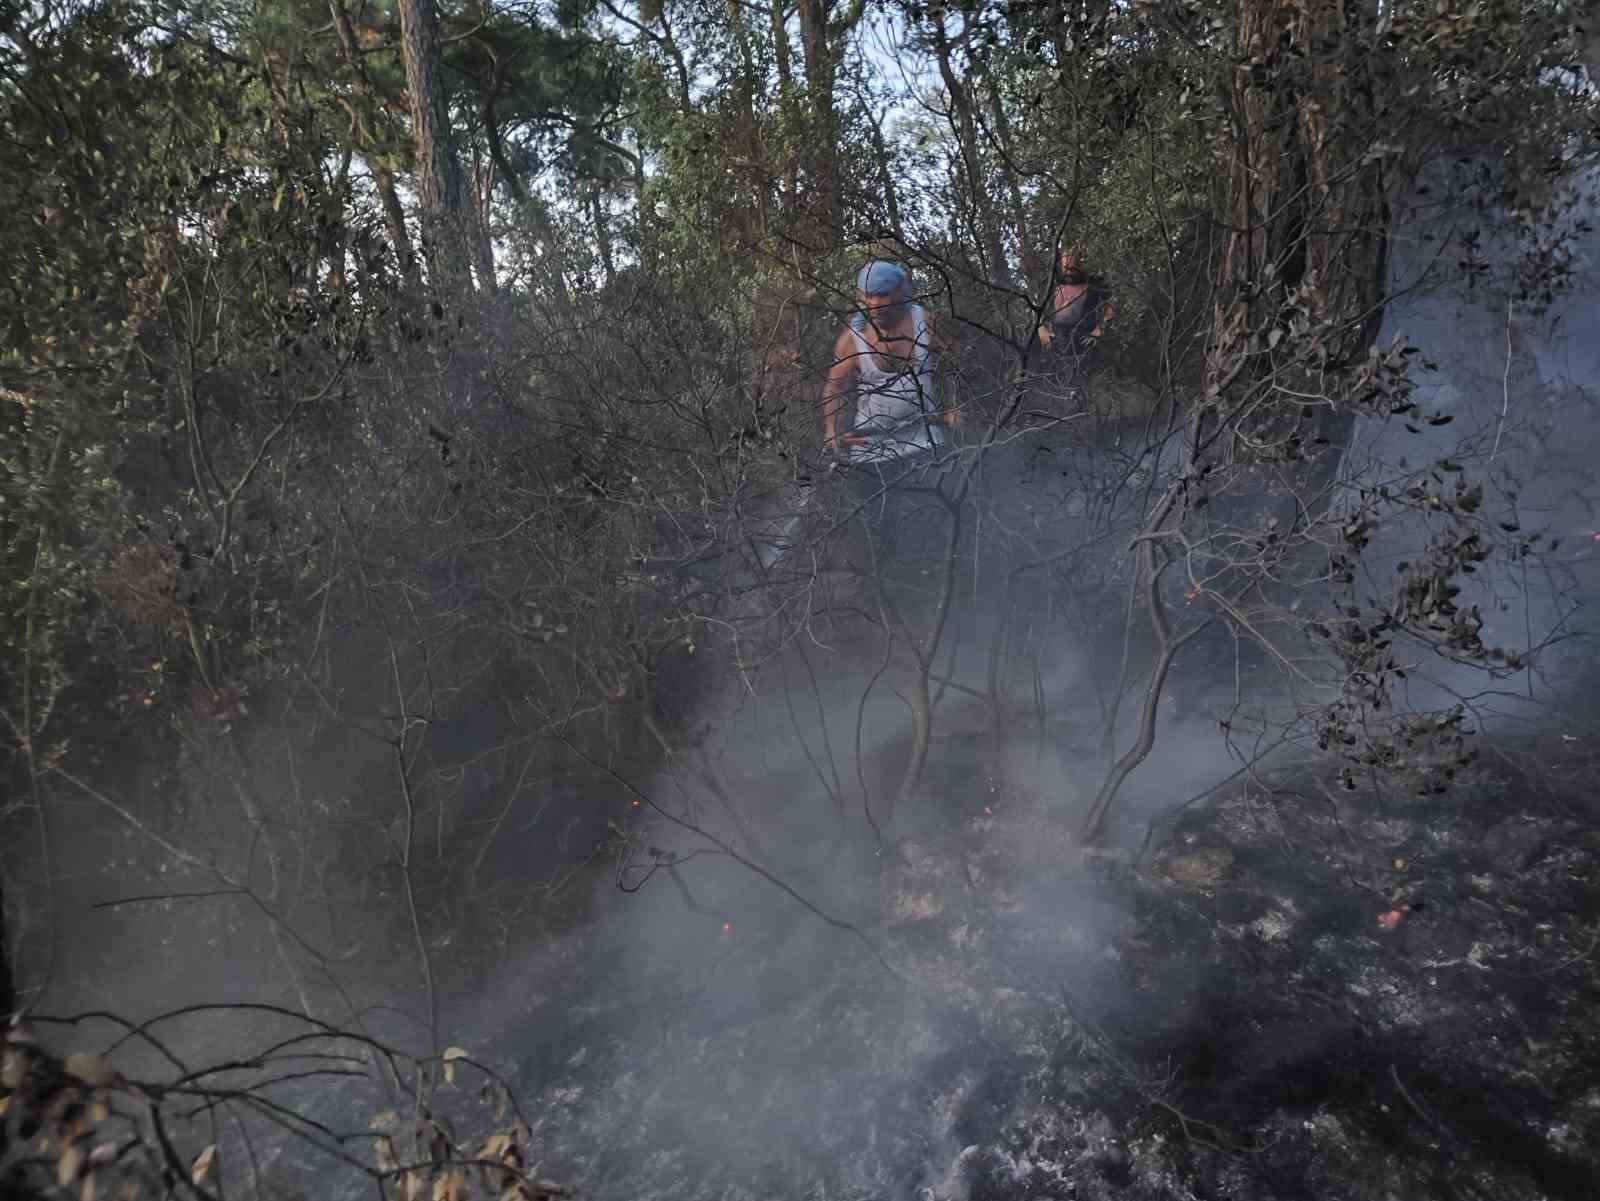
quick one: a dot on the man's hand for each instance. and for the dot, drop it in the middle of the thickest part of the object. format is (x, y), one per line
(841, 442)
(953, 418)
(1045, 335)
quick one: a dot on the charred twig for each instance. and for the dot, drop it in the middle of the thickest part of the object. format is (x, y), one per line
(1167, 648)
(1594, 940)
(1151, 1093)
(1412, 1102)
(743, 861)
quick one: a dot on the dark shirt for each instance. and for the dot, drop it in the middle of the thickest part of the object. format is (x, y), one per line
(1071, 326)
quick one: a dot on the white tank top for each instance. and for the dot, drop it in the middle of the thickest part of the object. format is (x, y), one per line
(896, 410)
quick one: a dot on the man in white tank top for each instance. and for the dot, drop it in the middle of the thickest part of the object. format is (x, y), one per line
(885, 358)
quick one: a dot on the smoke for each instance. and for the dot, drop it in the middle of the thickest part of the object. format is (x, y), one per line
(784, 991)
(840, 1014)
(712, 1034)
(1513, 371)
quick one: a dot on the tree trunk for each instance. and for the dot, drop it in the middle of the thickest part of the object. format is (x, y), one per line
(483, 210)
(680, 65)
(986, 225)
(747, 138)
(395, 218)
(335, 231)
(1306, 211)
(891, 196)
(602, 232)
(8, 987)
(393, 215)
(1033, 268)
(824, 157)
(781, 52)
(438, 175)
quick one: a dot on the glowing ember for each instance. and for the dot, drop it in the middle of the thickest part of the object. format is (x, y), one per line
(727, 927)
(1391, 919)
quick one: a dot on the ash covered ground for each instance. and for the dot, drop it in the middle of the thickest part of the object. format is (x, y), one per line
(1301, 993)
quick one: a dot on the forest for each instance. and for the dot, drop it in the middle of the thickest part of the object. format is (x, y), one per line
(807, 598)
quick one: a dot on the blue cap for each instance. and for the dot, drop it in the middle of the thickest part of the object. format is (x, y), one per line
(879, 278)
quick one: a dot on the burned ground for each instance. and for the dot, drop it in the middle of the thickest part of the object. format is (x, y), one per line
(1230, 1019)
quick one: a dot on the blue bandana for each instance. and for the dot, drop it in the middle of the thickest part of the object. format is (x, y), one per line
(879, 278)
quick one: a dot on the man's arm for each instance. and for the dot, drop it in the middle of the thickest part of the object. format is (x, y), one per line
(836, 389)
(1108, 309)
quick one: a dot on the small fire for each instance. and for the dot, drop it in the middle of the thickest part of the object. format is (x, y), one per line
(727, 927)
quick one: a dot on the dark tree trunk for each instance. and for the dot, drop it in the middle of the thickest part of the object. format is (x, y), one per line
(482, 227)
(780, 49)
(602, 232)
(1307, 206)
(820, 72)
(986, 224)
(395, 218)
(438, 175)
(8, 988)
(393, 215)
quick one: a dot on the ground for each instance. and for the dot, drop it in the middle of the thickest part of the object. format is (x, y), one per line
(1339, 997)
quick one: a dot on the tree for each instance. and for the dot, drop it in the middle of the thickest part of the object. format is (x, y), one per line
(440, 190)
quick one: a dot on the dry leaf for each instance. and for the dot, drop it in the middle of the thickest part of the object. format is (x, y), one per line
(383, 1121)
(203, 1163)
(69, 1163)
(13, 1069)
(91, 1069)
(385, 1151)
(450, 1186)
(451, 1054)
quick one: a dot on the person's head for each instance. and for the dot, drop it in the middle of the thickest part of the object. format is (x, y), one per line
(1069, 260)
(882, 288)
